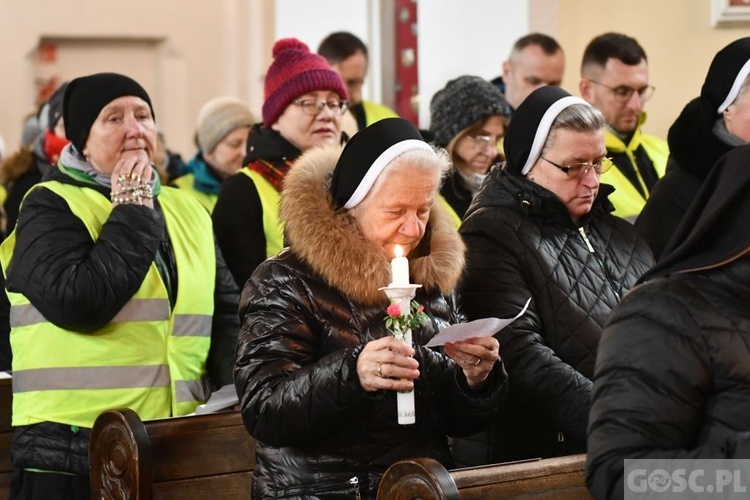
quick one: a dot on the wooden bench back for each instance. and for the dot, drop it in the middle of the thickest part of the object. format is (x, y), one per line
(203, 456)
(6, 432)
(424, 478)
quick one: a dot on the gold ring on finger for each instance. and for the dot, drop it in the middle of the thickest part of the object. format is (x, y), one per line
(380, 369)
(479, 360)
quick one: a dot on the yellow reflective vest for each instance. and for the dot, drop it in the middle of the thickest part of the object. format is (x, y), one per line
(375, 112)
(451, 213)
(148, 358)
(270, 201)
(628, 201)
(187, 184)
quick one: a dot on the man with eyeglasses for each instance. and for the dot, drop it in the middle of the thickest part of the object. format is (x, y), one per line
(614, 79)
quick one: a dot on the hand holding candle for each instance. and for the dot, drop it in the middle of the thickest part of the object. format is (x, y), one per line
(401, 292)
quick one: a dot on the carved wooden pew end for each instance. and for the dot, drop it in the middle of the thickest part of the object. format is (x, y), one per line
(203, 456)
(425, 478)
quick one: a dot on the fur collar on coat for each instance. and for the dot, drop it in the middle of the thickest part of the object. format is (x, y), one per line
(330, 241)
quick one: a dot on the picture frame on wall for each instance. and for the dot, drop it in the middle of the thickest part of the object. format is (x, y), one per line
(729, 12)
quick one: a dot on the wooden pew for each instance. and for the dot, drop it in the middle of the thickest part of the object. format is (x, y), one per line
(6, 409)
(204, 456)
(424, 478)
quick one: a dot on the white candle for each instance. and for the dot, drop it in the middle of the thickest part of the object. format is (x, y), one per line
(399, 268)
(405, 399)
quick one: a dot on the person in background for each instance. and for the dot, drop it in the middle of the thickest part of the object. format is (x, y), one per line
(347, 54)
(317, 369)
(672, 378)
(468, 118)
(222, 129)
(168, 163)
(31, 128)
(709, 126)
(119, 297)
(614, 79)
(303, 103)
(540, 228)
(535, 60)
(27, 166)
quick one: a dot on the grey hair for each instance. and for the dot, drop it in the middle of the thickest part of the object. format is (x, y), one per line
(576, 118)
(436, 160)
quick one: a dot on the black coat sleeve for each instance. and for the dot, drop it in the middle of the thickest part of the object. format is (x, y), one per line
(238, 224)
(495, 285)
(225, 326)
(652, 386)
(288, 395)
(75, 282)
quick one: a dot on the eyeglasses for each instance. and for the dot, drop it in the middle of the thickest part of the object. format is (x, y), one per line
(313, 107)
(623, 93)
(581, 169)
(483, 142)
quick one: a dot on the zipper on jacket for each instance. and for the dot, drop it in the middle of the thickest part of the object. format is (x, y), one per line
(355, 482)
(560, 437)
(586, 239)
(590, 247)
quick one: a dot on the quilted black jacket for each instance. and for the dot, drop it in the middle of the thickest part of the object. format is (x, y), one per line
(522, 243)
(692, 402)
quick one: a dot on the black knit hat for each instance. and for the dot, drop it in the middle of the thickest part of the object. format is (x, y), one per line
(366, 155)
(461, 103)
(86, 96)
(729, 68)
(530, 126)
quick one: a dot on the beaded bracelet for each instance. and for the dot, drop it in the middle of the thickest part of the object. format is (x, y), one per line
(132, 190)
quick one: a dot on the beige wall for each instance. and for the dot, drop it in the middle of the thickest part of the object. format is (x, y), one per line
(183, 51)
(188, 51)
(676, 34)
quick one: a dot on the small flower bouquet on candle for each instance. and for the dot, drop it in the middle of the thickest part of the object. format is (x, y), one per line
(399, 323)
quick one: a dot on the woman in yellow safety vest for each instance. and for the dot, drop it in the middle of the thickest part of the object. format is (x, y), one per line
(304, 101)
(119, 297)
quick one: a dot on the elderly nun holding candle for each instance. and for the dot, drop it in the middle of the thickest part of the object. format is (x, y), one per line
(317, 370)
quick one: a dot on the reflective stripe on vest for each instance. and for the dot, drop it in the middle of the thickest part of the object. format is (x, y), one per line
(147, 358)
(270, 201)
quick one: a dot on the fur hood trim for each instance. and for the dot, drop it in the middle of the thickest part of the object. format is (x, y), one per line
(16, 164)
(331, 243)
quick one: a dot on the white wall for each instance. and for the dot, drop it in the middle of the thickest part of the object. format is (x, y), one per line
(470, 37)
(456, 37)
(293, 20)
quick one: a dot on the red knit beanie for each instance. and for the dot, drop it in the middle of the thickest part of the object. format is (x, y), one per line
(294, 72)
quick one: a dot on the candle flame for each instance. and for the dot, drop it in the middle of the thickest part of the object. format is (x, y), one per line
(398, 251)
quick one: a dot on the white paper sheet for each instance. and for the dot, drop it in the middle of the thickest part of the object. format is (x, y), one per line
(478, 328)
(224, 398)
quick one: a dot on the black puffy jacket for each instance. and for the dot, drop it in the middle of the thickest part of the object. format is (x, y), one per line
(81, 284)
(522, 243)
(673, 375)
(306, 315)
